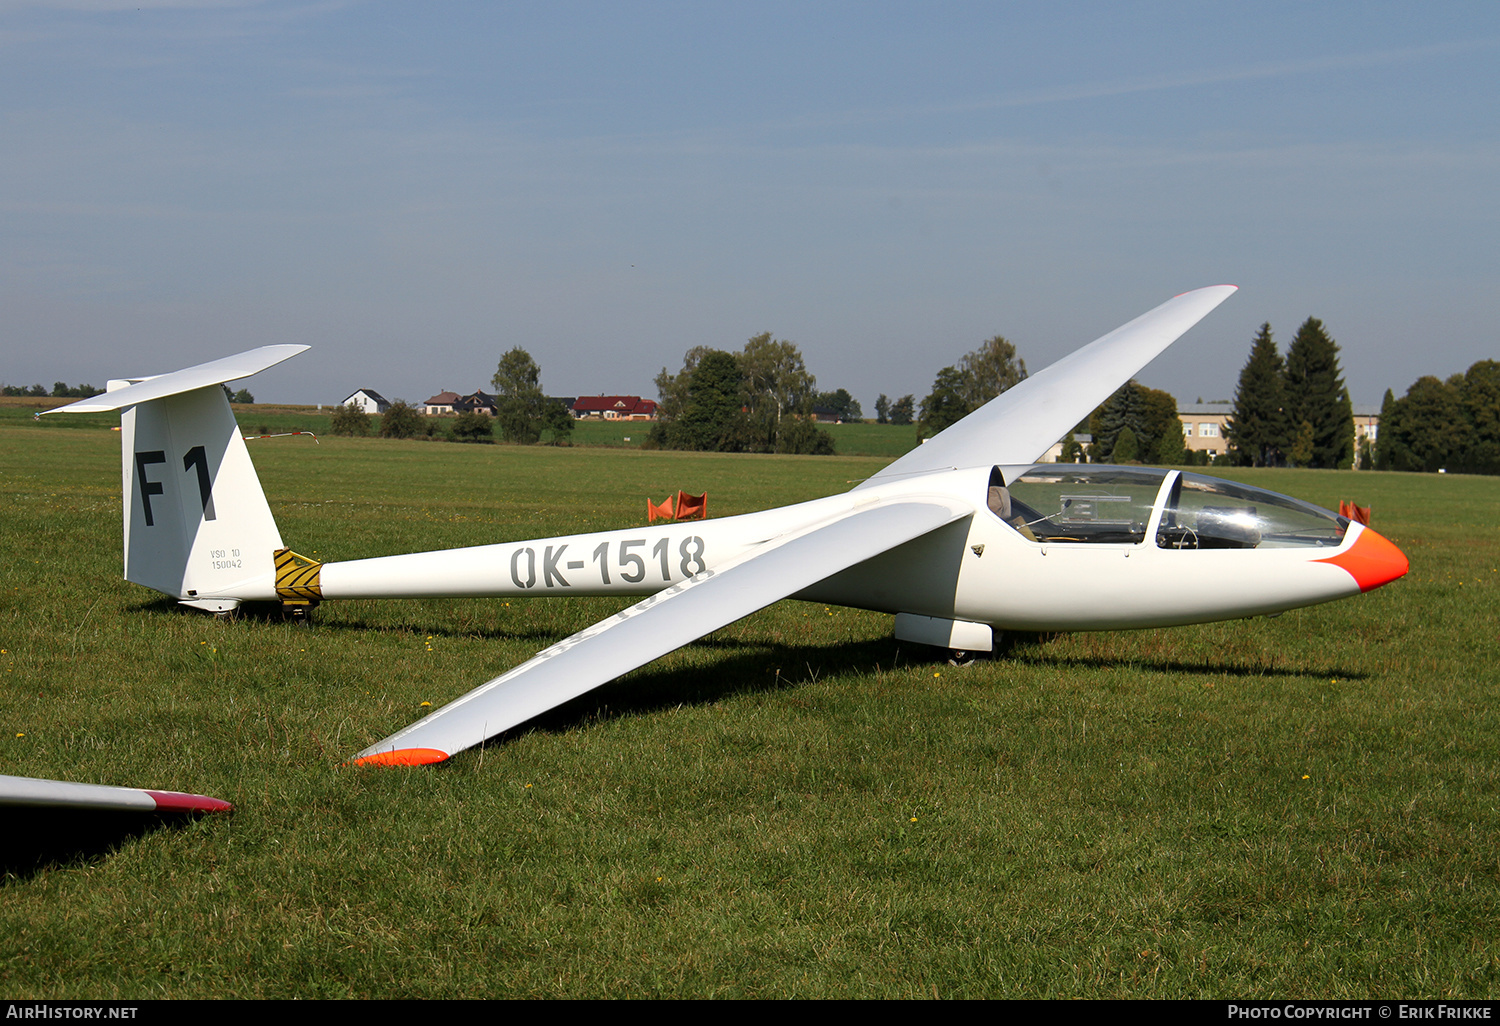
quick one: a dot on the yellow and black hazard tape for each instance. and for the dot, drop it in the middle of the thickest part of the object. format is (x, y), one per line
(297, 576)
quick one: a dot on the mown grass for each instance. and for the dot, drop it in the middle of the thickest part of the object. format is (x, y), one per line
(796, 806)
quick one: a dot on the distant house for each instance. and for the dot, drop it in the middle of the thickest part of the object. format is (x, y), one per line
(475, 402)
(614, 407)
(1203, 426)
(441, 404)
(1054, 454)
(369, 400)
(1366, 425)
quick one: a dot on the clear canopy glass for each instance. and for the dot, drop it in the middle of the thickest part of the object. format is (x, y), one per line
(1090, 503)
(1209, 513)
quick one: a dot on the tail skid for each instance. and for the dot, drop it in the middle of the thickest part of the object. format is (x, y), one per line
(197, 524)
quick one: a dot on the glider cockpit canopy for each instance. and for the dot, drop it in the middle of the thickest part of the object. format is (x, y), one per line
(1094, 504)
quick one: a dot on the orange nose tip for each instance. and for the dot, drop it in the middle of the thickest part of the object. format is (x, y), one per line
(1371, 561)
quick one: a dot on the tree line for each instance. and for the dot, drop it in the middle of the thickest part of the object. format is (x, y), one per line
(1443, 425)
(1294, 411)
(902, 411)
(1297, 412)
(759, 399)
(60, 390)
(523, 412)
(63, 390)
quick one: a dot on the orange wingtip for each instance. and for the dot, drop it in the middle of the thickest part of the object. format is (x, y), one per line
(402, 757)
(1371, 561)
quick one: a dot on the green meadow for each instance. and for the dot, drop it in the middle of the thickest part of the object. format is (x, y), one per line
(795, 806)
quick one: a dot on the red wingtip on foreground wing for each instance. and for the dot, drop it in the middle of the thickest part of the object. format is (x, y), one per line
(1371, 561)
(176, 801)
(402, 757)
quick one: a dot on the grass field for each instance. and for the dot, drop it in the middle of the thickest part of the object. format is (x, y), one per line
(796, 806)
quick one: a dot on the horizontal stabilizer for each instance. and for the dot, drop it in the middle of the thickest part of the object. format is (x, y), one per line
(215, 372)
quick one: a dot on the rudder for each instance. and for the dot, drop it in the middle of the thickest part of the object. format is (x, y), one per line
(197, 525)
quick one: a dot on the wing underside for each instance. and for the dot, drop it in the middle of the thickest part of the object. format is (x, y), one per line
(663, 622)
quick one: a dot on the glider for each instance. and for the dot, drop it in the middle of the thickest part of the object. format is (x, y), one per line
(962, 536)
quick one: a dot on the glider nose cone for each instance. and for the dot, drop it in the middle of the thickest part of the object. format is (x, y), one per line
(1371, 561)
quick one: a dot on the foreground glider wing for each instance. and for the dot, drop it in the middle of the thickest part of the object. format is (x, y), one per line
(1021, 424)
(663, 622)
(59, 794)
(215, 372)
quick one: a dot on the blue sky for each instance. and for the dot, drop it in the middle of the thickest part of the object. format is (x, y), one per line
(414, 189)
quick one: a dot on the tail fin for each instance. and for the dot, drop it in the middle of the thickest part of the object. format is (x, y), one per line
(197, 525)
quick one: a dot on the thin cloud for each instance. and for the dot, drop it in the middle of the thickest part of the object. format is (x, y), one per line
(1164, 83)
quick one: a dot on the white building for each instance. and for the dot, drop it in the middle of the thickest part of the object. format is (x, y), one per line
(369, 400)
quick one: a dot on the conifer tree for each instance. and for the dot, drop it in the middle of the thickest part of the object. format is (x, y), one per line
(1302, 445)
(1171, 448)
(1315, 395)
(1385, 441)
(1258, 429)
(1149, 413)
(1125, 408)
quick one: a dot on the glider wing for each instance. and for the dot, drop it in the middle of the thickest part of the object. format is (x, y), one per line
(663, 622)
(1020, 424)
(39, 793)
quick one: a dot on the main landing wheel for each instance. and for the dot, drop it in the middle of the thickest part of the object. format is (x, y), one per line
(299, 613)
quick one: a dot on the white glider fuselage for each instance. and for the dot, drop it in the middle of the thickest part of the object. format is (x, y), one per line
(979, 569)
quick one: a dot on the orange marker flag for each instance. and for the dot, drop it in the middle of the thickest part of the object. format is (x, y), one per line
(692, 507)
(656, 512)
(1359, 514)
